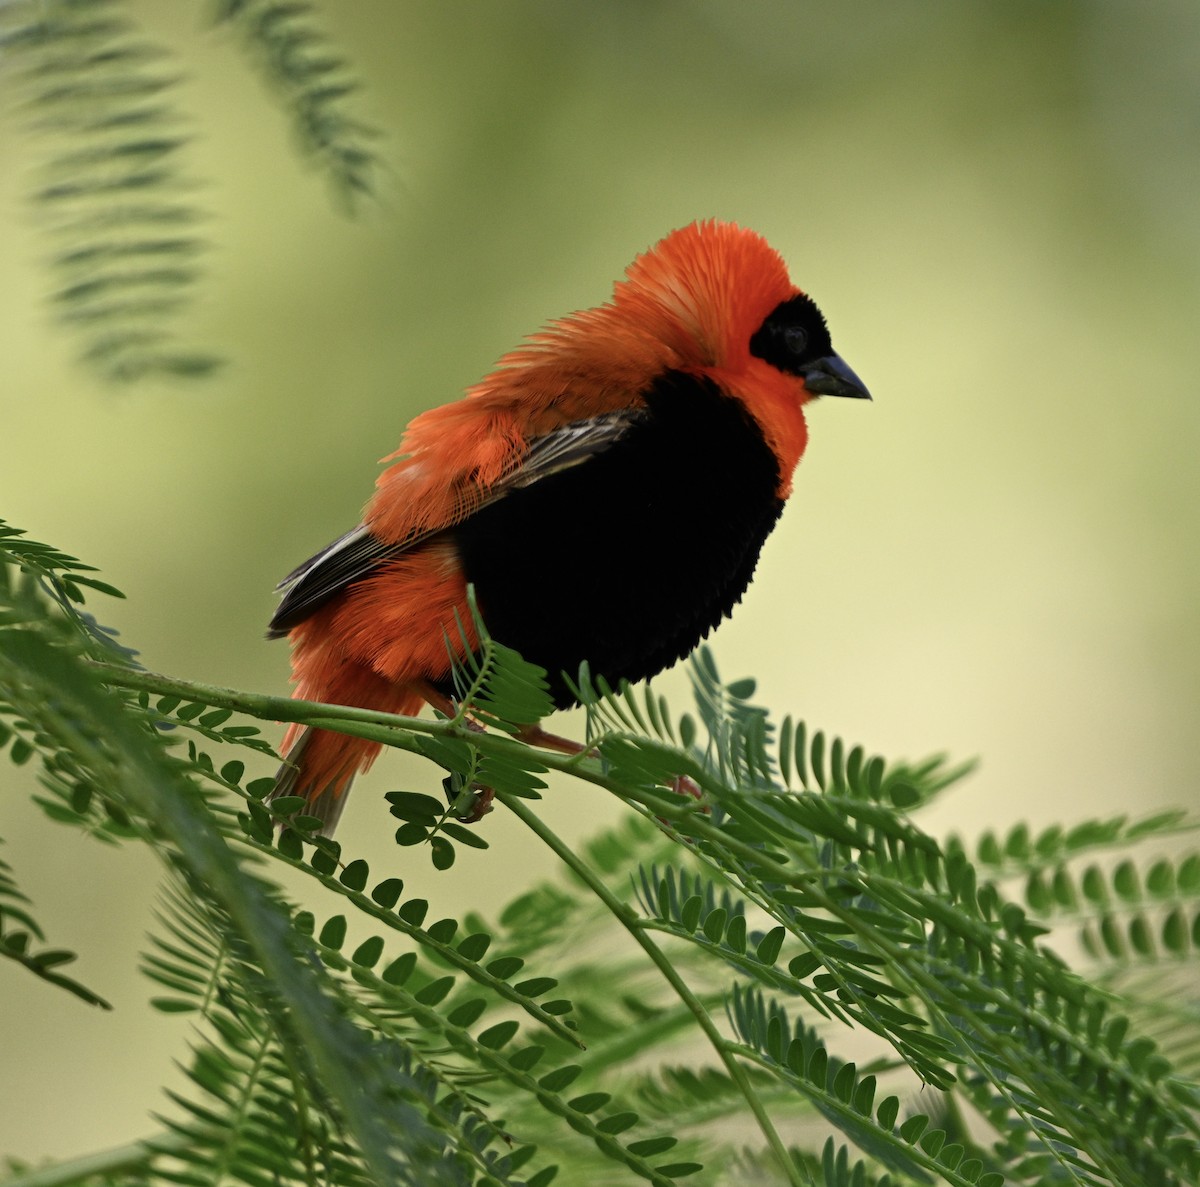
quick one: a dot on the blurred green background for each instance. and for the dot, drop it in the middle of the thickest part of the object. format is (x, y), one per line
(996, 207)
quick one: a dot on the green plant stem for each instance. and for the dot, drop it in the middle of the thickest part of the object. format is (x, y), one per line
(119, 1160)
(386, 728)
(255, 704)
(629, 920)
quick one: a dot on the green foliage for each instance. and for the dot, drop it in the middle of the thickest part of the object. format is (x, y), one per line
(779, 895)
(113, 192)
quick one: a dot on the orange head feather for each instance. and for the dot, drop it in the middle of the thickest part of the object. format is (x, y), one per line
(705, 289)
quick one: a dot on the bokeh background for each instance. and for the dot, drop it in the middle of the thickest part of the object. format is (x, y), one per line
(996, 206)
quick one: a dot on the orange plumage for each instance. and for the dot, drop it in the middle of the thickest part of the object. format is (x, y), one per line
(606, 489)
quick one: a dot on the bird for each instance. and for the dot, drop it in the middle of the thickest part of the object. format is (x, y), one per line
(606, 490)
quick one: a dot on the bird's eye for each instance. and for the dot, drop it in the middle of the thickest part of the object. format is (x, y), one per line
(792, 335)
(795, 338)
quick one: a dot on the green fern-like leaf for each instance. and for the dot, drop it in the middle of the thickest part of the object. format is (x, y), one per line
(300, 63)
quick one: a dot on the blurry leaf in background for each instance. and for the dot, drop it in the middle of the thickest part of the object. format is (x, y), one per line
(112, 195)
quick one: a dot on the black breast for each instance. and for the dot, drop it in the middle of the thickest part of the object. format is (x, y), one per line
(629, 559)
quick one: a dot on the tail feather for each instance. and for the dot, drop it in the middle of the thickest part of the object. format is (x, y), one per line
(320, 765)
(324, 800)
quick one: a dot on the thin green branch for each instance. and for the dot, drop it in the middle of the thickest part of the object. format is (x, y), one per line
(387, 728)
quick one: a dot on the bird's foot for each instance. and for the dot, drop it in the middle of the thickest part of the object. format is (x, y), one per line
(682, 785)
(475, 808)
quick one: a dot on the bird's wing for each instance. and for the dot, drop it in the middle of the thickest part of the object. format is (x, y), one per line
(359, 552)
(311, 585)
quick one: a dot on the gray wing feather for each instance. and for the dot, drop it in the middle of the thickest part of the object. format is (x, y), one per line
(568, 446)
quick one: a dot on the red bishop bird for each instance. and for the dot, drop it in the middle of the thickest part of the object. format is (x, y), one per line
(607, 490)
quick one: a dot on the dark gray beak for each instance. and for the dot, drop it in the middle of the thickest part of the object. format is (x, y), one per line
(831, 376)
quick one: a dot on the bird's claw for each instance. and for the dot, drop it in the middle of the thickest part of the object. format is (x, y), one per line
(682, 785)
(475, 808)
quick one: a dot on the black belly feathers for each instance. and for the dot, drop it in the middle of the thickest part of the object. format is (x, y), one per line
(630, 560)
